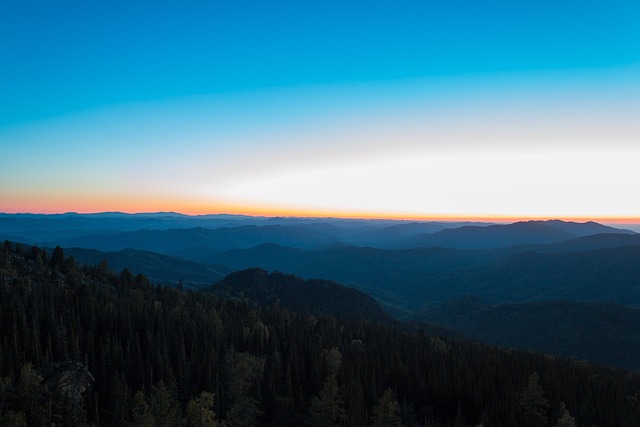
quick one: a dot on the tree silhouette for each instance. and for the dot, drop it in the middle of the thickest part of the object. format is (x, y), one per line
(565, 419)
(245, 374)
(533, 402)
(386, 412)
(327, 406)
(200, 411)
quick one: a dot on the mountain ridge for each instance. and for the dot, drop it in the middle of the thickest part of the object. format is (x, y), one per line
(517, 233)
(97, 231)
(314, 296)
(582, 330)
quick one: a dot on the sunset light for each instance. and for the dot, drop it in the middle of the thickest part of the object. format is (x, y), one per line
(405, 129)
(250, 213)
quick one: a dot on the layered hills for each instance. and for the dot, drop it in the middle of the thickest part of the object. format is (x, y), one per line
(159, 268)
(172, 234)
(518, 233)
(412, 268)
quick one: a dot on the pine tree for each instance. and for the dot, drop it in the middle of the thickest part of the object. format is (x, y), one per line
(30, 395)
(245, 374)
(57, 259)
(565, 419)
(199, 411)
(386, 412)
(533, 403)
(326, 407)
(163, 406)
(141, 415)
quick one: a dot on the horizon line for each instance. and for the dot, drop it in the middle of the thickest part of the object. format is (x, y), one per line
(362, 216)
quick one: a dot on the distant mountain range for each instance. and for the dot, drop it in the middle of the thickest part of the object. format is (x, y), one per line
(191, 236)
(523, 273)
(410, 277)
(499, 236)
(191, 242)
(500, 263)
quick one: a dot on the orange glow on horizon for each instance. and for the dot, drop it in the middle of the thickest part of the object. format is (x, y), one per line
(133, 205)
(85, 202)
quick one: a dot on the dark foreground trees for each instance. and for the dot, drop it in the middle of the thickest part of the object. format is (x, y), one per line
(163, 356)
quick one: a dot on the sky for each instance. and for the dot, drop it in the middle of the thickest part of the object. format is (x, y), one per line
(404, 109)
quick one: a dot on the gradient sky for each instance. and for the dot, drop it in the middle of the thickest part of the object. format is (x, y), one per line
(432, 108)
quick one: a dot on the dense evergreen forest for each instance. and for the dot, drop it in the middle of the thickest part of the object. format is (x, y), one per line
(317, 297)
(89, 346)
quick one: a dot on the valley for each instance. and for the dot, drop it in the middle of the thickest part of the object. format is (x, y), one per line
(522, 271)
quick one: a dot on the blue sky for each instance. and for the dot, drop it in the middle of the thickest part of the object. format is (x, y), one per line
(270, 106)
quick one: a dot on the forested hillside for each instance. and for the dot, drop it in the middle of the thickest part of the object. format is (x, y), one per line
(317, 297)
(600, 332)
(611, 275)
(89, 346)
(157, 267)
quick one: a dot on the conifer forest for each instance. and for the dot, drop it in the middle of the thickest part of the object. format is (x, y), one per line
(85, 345)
